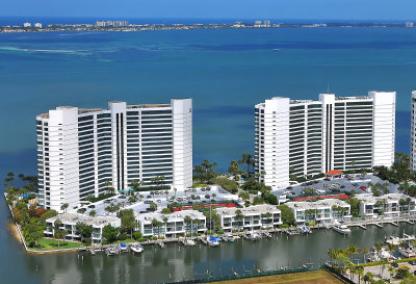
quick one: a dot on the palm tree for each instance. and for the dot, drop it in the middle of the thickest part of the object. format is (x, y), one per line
(156, 224)
(239, 217)
(234, 169)
(248, 160)
(165, 221)
(188, 221)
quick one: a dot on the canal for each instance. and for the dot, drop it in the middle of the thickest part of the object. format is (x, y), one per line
(176, 263)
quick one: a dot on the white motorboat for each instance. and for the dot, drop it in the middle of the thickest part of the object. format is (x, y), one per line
(228, 238)
(253, 236)
(136, 248)
(188, 242)
(305, 229)
(393, 240)
(342, 229)
(407, 251)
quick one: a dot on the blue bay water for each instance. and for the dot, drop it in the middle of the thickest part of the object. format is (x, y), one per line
(226, 72)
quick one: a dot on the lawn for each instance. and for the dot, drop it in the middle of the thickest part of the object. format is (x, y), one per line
(51, 244)
(314, 277)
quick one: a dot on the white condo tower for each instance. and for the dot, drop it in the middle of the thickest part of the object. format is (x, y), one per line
(83, 151)
(413, 133)
(334, 133)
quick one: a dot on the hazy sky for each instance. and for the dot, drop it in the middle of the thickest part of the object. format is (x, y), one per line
(239, 9)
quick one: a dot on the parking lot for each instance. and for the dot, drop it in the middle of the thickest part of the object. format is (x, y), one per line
(330, 186)
(161, 198)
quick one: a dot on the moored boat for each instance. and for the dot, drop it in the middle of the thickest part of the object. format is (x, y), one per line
(342, 229)
(123, 247)
(136, 248)
(213, 241)
(114, 250)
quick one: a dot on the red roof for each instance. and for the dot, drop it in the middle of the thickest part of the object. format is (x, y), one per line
(334, 172)
(341, 196)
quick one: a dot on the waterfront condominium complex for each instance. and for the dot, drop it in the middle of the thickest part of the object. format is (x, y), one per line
(84, 152)
(413, 133)
(303, 138)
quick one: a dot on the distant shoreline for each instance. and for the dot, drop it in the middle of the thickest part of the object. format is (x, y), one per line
(123, 26)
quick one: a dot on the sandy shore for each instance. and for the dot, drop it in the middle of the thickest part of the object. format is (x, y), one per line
(14, 231)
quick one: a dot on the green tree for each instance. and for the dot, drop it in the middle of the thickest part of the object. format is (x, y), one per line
(247, 160)
(85, 231)
(110, 234)
(355, 206)
(269, 198)
(48, 214)
(205, 172)
(137, 236)
(158, 181)
(128, 221)
(288, 218)
(244, 195)
(166, 211)
(402, 272)
(188, 224)
(234, 169)
(227, 184)
(213, 220)
(135, 185)
(33, 232)
(112, 208)
(59, 233)
(239, 217)
(156, 224)
(253, 186)
(93, 213)
(258, 200)
(309, 192)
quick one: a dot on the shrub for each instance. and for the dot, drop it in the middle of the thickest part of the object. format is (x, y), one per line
(228, 185)
(166, 211)
(137, 236)
(269, 198)
(402, 272)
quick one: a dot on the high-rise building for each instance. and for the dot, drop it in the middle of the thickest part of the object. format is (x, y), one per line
(304, 138)
(413, 132)
(84, 152)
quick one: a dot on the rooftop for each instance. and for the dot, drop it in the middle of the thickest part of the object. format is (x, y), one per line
(317, 204)
(255, 209)
(369, 198)
(179, 215)
(74, 218)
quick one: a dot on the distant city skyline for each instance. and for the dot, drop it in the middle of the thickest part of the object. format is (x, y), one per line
(216, 9)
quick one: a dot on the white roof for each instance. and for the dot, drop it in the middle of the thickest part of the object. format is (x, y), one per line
(319, 204)
(251, 210)
(74, 218)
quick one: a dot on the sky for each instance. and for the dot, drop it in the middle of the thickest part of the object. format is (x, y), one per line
(215, 9)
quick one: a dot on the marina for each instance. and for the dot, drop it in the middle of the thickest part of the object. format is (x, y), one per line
(242, 256)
